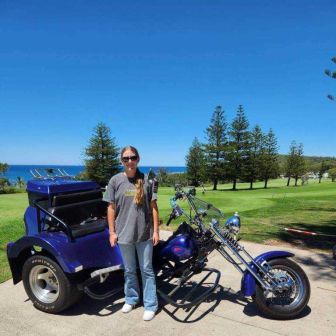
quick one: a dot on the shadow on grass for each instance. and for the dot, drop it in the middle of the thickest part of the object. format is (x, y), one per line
(322, 209)
(325, 239)
(245, 189)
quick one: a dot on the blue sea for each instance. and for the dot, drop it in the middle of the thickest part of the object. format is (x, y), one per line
(23, 171)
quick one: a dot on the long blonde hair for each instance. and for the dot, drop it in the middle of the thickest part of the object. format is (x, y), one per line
(139, 196)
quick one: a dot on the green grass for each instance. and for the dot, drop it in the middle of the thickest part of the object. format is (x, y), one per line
(264, 213)
(12, 207)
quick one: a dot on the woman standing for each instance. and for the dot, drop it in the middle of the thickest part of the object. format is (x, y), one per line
(133, 218)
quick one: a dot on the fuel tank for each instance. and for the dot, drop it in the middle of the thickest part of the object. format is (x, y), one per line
(177, 248)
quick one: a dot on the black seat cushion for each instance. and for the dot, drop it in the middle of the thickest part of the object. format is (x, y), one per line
(89, 227)
(82, 217)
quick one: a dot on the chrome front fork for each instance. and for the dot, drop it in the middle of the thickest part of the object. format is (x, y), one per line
(261, 272)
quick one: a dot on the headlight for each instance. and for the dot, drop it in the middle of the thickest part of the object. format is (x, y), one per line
(233, 224)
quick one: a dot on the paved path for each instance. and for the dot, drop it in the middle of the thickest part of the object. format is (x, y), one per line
(224, 313)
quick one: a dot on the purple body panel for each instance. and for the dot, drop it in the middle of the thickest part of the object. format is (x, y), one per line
(90, 251)
(31, 222)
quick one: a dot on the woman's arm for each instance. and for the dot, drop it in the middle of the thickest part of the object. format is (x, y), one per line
(111, 221)
(155, 212)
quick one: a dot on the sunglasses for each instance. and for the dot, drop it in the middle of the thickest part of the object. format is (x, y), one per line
(127, 158)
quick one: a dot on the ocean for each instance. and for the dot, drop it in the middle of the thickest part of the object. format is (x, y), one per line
(23, 171)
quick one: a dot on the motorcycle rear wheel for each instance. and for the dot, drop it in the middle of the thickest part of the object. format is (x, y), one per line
(47, 285)
(290, 303)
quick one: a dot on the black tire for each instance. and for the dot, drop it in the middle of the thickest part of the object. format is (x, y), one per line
(289, 304)
(47, 286)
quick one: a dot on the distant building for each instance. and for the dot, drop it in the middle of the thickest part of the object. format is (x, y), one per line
(312, 175)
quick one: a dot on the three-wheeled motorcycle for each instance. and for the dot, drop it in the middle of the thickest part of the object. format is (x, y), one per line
(65, 252)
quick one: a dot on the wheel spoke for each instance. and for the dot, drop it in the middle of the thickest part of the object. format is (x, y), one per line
(50, 287)
(286, 296)
(44, 276)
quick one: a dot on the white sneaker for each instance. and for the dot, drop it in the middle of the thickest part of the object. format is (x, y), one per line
(127, 308)
(148, 315)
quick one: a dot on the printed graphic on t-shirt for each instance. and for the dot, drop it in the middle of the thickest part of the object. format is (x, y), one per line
(129, 193)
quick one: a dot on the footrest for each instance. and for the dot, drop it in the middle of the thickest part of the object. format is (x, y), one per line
(182, 301)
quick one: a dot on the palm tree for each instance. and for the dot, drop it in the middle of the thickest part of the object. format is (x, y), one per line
(19, 182)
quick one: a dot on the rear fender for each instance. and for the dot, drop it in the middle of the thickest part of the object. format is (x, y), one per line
(23, 248)
(248, 282)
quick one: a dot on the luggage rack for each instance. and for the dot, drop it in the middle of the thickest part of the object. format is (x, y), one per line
(50, 173)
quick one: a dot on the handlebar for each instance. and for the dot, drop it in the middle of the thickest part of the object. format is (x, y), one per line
(176, 212)
(170, 219)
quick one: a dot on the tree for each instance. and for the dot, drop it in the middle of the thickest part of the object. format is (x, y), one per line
(215, 147)
(3, 168)
(195, 162)
(4, 182)
(269, 165)
(299, 163)
(102, 154)
(163, 176)
(323, 169)
(238, 146)
(253, 167)
(19, 182)
(290, 162)
(331, 74)
(332, 174)
(295, 166)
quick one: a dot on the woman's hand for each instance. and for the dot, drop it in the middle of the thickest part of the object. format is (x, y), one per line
(113, 239)
(156, 238)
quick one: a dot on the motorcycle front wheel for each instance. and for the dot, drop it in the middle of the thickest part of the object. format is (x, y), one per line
(289, 303)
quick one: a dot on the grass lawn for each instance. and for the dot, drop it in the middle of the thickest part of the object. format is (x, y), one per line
(12, 208)
(264, 213)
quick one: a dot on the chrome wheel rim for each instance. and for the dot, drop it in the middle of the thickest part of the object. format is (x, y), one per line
(44, 284)
(293, 295)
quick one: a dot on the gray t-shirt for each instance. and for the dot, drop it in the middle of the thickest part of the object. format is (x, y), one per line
(133, 223)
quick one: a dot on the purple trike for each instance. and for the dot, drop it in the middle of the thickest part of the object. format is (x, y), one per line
(66, 253)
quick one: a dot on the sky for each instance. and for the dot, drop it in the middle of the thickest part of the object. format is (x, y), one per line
(154, 71)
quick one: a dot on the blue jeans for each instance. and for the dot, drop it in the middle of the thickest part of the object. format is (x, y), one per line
(131, 288)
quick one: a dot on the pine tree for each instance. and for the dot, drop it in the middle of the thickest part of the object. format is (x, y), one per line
(102, 153)
(238, 146)
(269, 167)
(290, 162)
(254, 155)
(300, 165)
(195, 162)
(216, 146)
(295, 165)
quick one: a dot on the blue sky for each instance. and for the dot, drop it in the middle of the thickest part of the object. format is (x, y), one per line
(154, 71)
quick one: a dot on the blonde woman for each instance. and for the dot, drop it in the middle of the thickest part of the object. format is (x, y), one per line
(133, 218)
